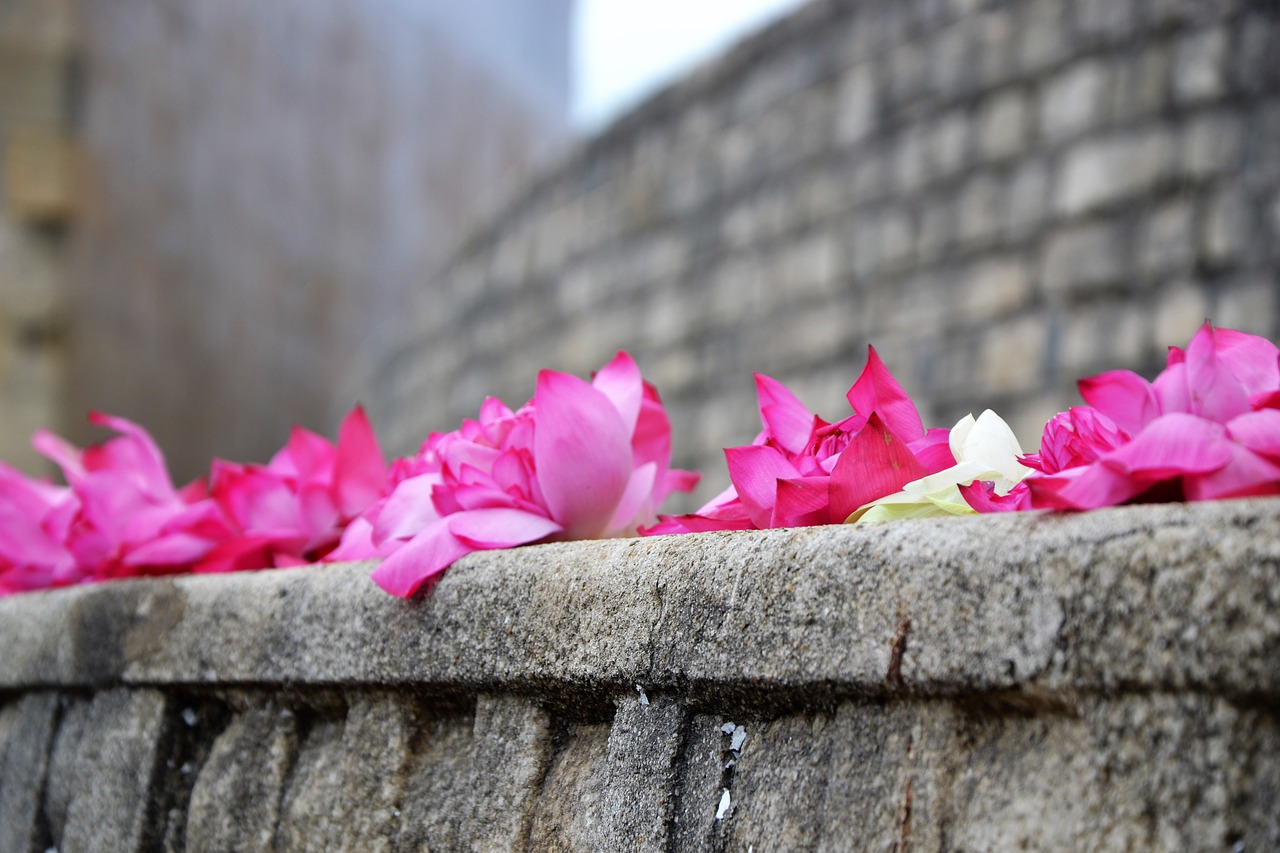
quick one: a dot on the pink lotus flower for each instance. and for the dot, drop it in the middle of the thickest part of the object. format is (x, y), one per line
(582, 460)
(804, 471)
(123, 516)
(1207, 427)
(293, 510)
(33, 517)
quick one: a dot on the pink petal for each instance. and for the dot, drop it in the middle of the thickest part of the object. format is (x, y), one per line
(1259, 432)
(1170, 446)
(933, 451)
(1096, 486)
(582, 453)
(1254, 360)
(981, 497)
(361, 470)
(874, 464)
(1215, 391)
(408, 510)
(61, 452)
(485, 529)
(306, 455)
(755, 471)
(137, 452)
(1123, 396)
(1245, 474)
(620, 382)
(785, 418)
(420, 560)
(357, 544)
(877, 391)
(1173, 393)
(637, 498)
(801, 502)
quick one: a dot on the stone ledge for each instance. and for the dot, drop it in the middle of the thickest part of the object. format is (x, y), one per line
(1023, 608)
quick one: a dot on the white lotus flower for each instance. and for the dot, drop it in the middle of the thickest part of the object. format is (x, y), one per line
(985, 449)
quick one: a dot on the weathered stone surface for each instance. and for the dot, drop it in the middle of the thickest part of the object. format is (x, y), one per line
(103, 770)
(990, 602)
(26, 727)
(236, 801)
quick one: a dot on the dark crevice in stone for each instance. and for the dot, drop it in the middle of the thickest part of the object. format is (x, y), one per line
(42, 832)
(192, 724)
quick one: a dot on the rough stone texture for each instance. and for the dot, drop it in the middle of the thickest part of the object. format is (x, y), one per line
(1102, 681)
(909, 173)
(26, 727)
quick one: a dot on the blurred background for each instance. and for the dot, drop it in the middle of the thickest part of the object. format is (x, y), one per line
(220, 219)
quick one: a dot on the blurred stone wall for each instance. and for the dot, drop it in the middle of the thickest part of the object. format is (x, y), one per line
(265, 182)
(1001, 196)
(36, 167)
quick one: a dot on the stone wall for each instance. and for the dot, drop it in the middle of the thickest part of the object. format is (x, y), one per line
(1103, 681)
(1001, 196)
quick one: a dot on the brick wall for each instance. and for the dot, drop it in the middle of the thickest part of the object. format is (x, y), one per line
(1001, 196)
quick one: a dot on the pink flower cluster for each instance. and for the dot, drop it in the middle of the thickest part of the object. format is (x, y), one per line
(120, 515)
(581, 460)
(801, 470)
(1207, 427)
(591, 459)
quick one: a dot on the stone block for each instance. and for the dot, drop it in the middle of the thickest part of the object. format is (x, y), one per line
(237, 797)
(948, 144)
(1074, 100)
(1168, 241)
(1248, 304)
(857, 105)
(1200, 66)
(1228, 227)
(1012, 356)
(1098, 173)
(26, 731)
(1180, 310)
(1084, 259)
(993, 288)
(569, 806)
(980, 209)
(1028, 199)
(39, 168)
(636, 805)
(1104, 21)
(1099, 334)
(1003, 125)
(103, 769)
(1212, 143)
(1045, 35)
(1140, 82)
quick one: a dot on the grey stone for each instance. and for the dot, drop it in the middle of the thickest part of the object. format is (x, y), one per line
(636, 804)
(1212, 144)
(512, 752)
(1228, 226)
(1200, 66)
(1101, 172)
(102, 771)
(1003, 124)
(1074, 100)
(26, 730)
(1168, 243)
(980, 209)
(1084, 259)
(237, 797)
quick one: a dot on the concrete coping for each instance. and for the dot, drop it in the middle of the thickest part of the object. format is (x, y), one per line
(1027, 607)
